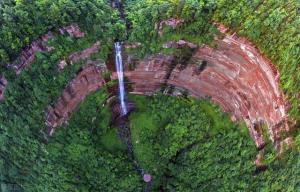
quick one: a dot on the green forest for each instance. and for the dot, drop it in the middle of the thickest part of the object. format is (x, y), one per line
(184, 143)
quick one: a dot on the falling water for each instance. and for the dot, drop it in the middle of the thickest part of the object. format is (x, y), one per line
(119, 67)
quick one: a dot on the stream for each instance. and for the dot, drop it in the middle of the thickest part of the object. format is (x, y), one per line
(123, 129)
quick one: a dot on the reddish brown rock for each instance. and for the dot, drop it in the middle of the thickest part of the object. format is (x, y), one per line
(179, 44)
(72, 30)
(234, 75)
(149, 74)
(27, 55)
(86, 53)
(62, 64)
(80, 55)
(132, 45)
(87, 80)
(3, 83)
(174, 23)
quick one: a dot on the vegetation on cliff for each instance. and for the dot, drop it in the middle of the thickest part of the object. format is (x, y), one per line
(273, 26)
(26, 20)
(189, 145)
(196, 149)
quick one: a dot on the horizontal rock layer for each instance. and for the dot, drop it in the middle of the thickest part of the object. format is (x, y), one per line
(28, 53)
(87, 80)
(234, 75)
(80, 55)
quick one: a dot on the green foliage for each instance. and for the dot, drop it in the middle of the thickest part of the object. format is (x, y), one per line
(24, 21)
(273, 26)
(77, 158)
(189, 145)
(144, 17)
(23, 110)
(185, 145)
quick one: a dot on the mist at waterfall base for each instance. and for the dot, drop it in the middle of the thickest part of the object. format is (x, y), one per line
(119, 68)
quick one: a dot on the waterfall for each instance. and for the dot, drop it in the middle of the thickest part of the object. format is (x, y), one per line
(119, 67)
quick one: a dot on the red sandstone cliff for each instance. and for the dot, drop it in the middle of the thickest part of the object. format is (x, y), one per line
(28, 53)
(80, 55)
(87, 80)
(235, 76)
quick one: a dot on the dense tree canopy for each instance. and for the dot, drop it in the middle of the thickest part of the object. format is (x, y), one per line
(186, 145)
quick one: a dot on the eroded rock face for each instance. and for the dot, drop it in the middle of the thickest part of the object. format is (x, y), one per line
(172, 22)
(80, 55)
(3, 83)
(27, 55)
(234, 75)
(179, 44)
(148, 75)
(72, 30)
(87, 80)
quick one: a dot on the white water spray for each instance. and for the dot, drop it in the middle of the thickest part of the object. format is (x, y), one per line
(119, 67)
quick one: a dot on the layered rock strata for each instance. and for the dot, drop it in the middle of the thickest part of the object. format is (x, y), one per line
(172, 22)
(87, 80)
(234, 75)
(149, 74)
(80, 55)
(72, 30)
(27, 55)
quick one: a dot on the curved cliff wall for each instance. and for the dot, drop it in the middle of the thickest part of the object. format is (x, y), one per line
(234, 75)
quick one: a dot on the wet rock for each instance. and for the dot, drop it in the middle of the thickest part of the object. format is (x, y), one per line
(87, 80)
(3, 83)
(118, 119)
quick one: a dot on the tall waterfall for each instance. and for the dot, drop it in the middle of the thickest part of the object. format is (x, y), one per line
(119, 67)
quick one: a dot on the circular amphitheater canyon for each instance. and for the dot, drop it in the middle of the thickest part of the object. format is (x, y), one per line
(181, 95)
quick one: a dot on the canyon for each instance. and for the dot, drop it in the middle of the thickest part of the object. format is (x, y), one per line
(234, 75)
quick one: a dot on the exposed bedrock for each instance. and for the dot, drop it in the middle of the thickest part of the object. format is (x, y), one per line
(88, 79)
(234, 75)
(80, 55)
(28, 53)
